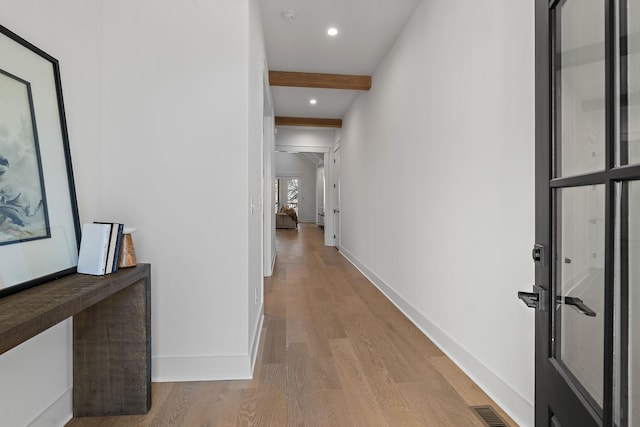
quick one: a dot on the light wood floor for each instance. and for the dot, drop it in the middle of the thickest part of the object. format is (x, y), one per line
(334, 352)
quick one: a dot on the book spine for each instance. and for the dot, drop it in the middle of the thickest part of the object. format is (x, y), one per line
(118, 245)
(107, 264)
(111, 263)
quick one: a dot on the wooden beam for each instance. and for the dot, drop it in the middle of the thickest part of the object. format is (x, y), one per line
(310, 122)
(317, 80)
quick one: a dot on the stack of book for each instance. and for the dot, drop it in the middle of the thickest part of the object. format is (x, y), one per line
(100, 248)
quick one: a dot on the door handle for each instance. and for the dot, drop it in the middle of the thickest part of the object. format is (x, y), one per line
(336, 211)
(577, 303)
(529, 298)
(536, 300)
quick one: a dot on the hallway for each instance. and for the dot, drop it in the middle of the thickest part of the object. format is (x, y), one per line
(352, 357)
(334, 352)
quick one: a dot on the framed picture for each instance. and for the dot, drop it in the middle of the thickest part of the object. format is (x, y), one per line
(39, 224)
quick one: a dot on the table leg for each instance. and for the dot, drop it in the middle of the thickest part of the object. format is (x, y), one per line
(112, 355)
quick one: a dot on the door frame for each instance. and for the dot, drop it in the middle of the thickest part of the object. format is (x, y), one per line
(548, 379)
(335, 175)
(268, 174)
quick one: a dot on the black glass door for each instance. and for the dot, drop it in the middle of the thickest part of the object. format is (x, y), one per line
(587, 212)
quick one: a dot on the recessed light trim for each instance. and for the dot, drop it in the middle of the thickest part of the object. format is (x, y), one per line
(333, 31)
(313, 101)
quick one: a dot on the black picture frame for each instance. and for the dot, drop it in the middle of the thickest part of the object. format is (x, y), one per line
(32, 259)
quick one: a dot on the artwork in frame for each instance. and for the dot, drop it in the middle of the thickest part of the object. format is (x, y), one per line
(23, 204)
(39, 224)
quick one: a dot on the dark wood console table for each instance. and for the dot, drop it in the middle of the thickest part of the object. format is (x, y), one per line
(111, 335)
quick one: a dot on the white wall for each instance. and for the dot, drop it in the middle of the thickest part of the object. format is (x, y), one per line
(304, 140)
(437, 164)
(36, 377)
(178, 129)
(288, 164)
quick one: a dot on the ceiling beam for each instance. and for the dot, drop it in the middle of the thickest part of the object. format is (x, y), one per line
(309, 122)
(317, 80)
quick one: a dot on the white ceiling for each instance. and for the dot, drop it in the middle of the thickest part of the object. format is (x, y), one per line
(294, 102)
(367, 30)
(313, 159)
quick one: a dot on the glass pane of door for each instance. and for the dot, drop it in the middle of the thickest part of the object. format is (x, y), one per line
(287, 192)
(579, 81)
(579, 287)
(293, 193)
(630, 83)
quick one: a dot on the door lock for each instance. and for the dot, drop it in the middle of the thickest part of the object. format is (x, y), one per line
(539, 254)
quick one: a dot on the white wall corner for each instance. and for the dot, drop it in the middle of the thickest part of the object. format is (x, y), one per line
(514, 404)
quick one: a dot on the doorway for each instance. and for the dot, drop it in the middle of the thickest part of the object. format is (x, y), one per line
(313, 167)
(587, 252)
(287, 191)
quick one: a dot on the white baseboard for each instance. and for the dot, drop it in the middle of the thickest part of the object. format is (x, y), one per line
(201, 368)
(273, 261)
(58, 413)
(516, 406)
(256, 338)
(209, 368)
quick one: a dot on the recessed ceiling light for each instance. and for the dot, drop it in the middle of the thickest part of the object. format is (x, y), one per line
(313, 101)
(332, 31)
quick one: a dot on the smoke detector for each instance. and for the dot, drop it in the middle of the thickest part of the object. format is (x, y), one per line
(289, 15)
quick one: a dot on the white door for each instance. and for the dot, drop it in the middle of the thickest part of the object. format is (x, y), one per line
(336, 197)
(320, 196)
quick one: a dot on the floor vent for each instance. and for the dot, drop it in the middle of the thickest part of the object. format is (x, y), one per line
(489, 416)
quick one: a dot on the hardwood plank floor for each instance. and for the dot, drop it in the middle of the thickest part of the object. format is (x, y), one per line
(334, 352)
